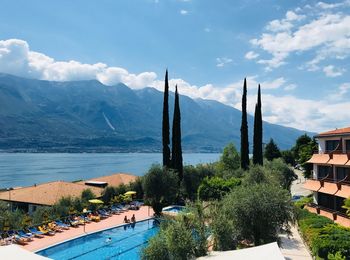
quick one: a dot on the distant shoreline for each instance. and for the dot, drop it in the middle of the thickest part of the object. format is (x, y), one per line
(99, 151)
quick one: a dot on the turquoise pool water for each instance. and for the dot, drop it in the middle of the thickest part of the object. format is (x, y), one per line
(126, 243)
(174, 209)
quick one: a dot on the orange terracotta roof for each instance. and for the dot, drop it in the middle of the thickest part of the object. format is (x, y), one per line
(339, 159)
(47, 193)
(339, 131)
(114, 179)
(319, 158)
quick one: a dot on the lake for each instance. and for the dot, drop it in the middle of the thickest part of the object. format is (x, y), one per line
(24, 169)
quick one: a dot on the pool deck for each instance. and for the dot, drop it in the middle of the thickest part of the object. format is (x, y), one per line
(37, 244)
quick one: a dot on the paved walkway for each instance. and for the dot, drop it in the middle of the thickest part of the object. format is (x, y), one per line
(144, 212)
(297, 186)
(293, 248)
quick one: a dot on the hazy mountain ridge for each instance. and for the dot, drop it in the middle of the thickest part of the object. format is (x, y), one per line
(89, 116)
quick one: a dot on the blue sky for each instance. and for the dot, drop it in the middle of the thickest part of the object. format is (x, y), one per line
(298, 50)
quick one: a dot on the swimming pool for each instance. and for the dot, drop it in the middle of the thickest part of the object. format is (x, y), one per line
(126, 243)
(173, 209)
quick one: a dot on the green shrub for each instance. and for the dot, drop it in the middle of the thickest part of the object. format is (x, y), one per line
(215, 188)
(302, 202)
(332, 239)
(325, 239)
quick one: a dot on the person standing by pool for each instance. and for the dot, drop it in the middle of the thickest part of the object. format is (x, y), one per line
(126, 220)
(133, 219)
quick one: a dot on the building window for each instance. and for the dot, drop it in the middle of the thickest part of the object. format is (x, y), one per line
(323, 171)
(331, 145)
(342, 172)
(347, 145)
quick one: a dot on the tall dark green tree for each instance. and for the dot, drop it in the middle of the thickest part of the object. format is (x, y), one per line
(244, 130)
(258, 132)
(165, 126)
(272, 151)
(176, 138)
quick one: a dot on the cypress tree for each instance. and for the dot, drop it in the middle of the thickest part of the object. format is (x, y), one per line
(176, 138)
(165, 124)
(258, 132)
(244, 130)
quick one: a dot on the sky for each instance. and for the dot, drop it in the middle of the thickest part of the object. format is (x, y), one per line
(298, 50)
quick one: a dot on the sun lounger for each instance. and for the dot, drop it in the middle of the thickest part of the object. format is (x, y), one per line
(85, 219)
(102, 214)
(46, 231)
(61, 224)
(23, 234)
(36, 232)
(105, 212)
(5, 240)
(20, 240)
(54, 227)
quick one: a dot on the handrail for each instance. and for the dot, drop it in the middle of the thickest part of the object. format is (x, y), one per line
(339, 213)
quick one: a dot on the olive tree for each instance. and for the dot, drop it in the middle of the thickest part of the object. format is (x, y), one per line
(258, 212)
(160, 186)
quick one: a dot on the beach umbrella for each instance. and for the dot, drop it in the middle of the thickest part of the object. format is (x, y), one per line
(96, 201)
(129, 193)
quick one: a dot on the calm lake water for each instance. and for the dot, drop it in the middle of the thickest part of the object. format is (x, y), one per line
(23, 169)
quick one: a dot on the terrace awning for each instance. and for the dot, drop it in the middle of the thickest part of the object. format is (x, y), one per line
(339, 159)
(319, 158)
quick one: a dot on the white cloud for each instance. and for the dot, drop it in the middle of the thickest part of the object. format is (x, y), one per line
(207, 29)
(332, 72)
(341, 93)
(183, 12)
(17, 58)
(251, 55)
(324, 5)
(326, 33)
(314, 116)
(221, 62)
(290, 87)
(284, 24)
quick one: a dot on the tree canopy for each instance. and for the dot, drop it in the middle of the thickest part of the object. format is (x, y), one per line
(160, 186)
(272, 151)
(258, 212)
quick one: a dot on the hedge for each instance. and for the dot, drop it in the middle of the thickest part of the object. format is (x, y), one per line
(323, 236)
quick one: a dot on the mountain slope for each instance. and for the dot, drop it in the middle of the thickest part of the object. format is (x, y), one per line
(89, 116)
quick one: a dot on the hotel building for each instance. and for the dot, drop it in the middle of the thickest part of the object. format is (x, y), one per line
(330, 181)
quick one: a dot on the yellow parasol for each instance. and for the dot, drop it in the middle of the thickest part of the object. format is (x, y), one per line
(129, 193)
(96, 201)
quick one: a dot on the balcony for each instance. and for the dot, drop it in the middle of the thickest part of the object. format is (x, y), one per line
(338, 217)
(340, 188)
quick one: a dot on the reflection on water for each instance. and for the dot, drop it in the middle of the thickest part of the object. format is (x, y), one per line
(22, 169)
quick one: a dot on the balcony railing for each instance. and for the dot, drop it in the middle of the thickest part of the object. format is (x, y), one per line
(334, 213)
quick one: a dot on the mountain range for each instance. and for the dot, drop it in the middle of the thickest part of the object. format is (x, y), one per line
(87, 116)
